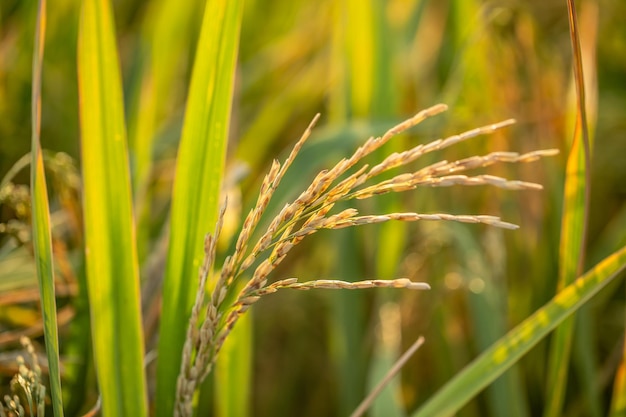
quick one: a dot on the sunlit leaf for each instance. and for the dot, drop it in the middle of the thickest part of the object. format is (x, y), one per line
(111, 254)
(199, 173)
(509, 349)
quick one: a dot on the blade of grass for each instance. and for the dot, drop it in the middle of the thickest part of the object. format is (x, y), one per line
(199, 172)
(509, 349)
(573, 227)
(111, 255)
(42, 240)
(166, 29)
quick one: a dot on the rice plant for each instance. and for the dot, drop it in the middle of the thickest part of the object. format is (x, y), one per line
(129, 259)
(308, 214)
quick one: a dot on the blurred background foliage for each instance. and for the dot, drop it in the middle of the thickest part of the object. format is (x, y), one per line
(364, 66)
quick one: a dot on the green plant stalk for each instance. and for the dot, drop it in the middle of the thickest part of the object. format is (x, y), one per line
(196, 194)
(111, 254)
(42, 240)
(510, 348)
(573, 228)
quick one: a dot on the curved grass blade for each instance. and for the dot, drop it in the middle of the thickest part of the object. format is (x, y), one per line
(573, 226)
(111, 254)
(42, 241)
(509, 349)
(199, 173)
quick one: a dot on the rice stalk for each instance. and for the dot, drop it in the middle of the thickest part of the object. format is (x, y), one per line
(311, 212)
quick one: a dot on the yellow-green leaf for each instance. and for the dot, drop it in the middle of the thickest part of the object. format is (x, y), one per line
(199, 173)
(111, 254)
(509, 349)
(42, 240)
(573, 220)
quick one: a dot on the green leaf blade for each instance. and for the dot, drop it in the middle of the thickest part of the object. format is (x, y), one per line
(573, 219)
(199, 172)
(111, 254)
(509, 349)
(41, 229)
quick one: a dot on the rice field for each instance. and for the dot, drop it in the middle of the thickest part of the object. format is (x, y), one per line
(255, 208)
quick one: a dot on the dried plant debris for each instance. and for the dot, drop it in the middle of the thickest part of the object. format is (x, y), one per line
(311, 212)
